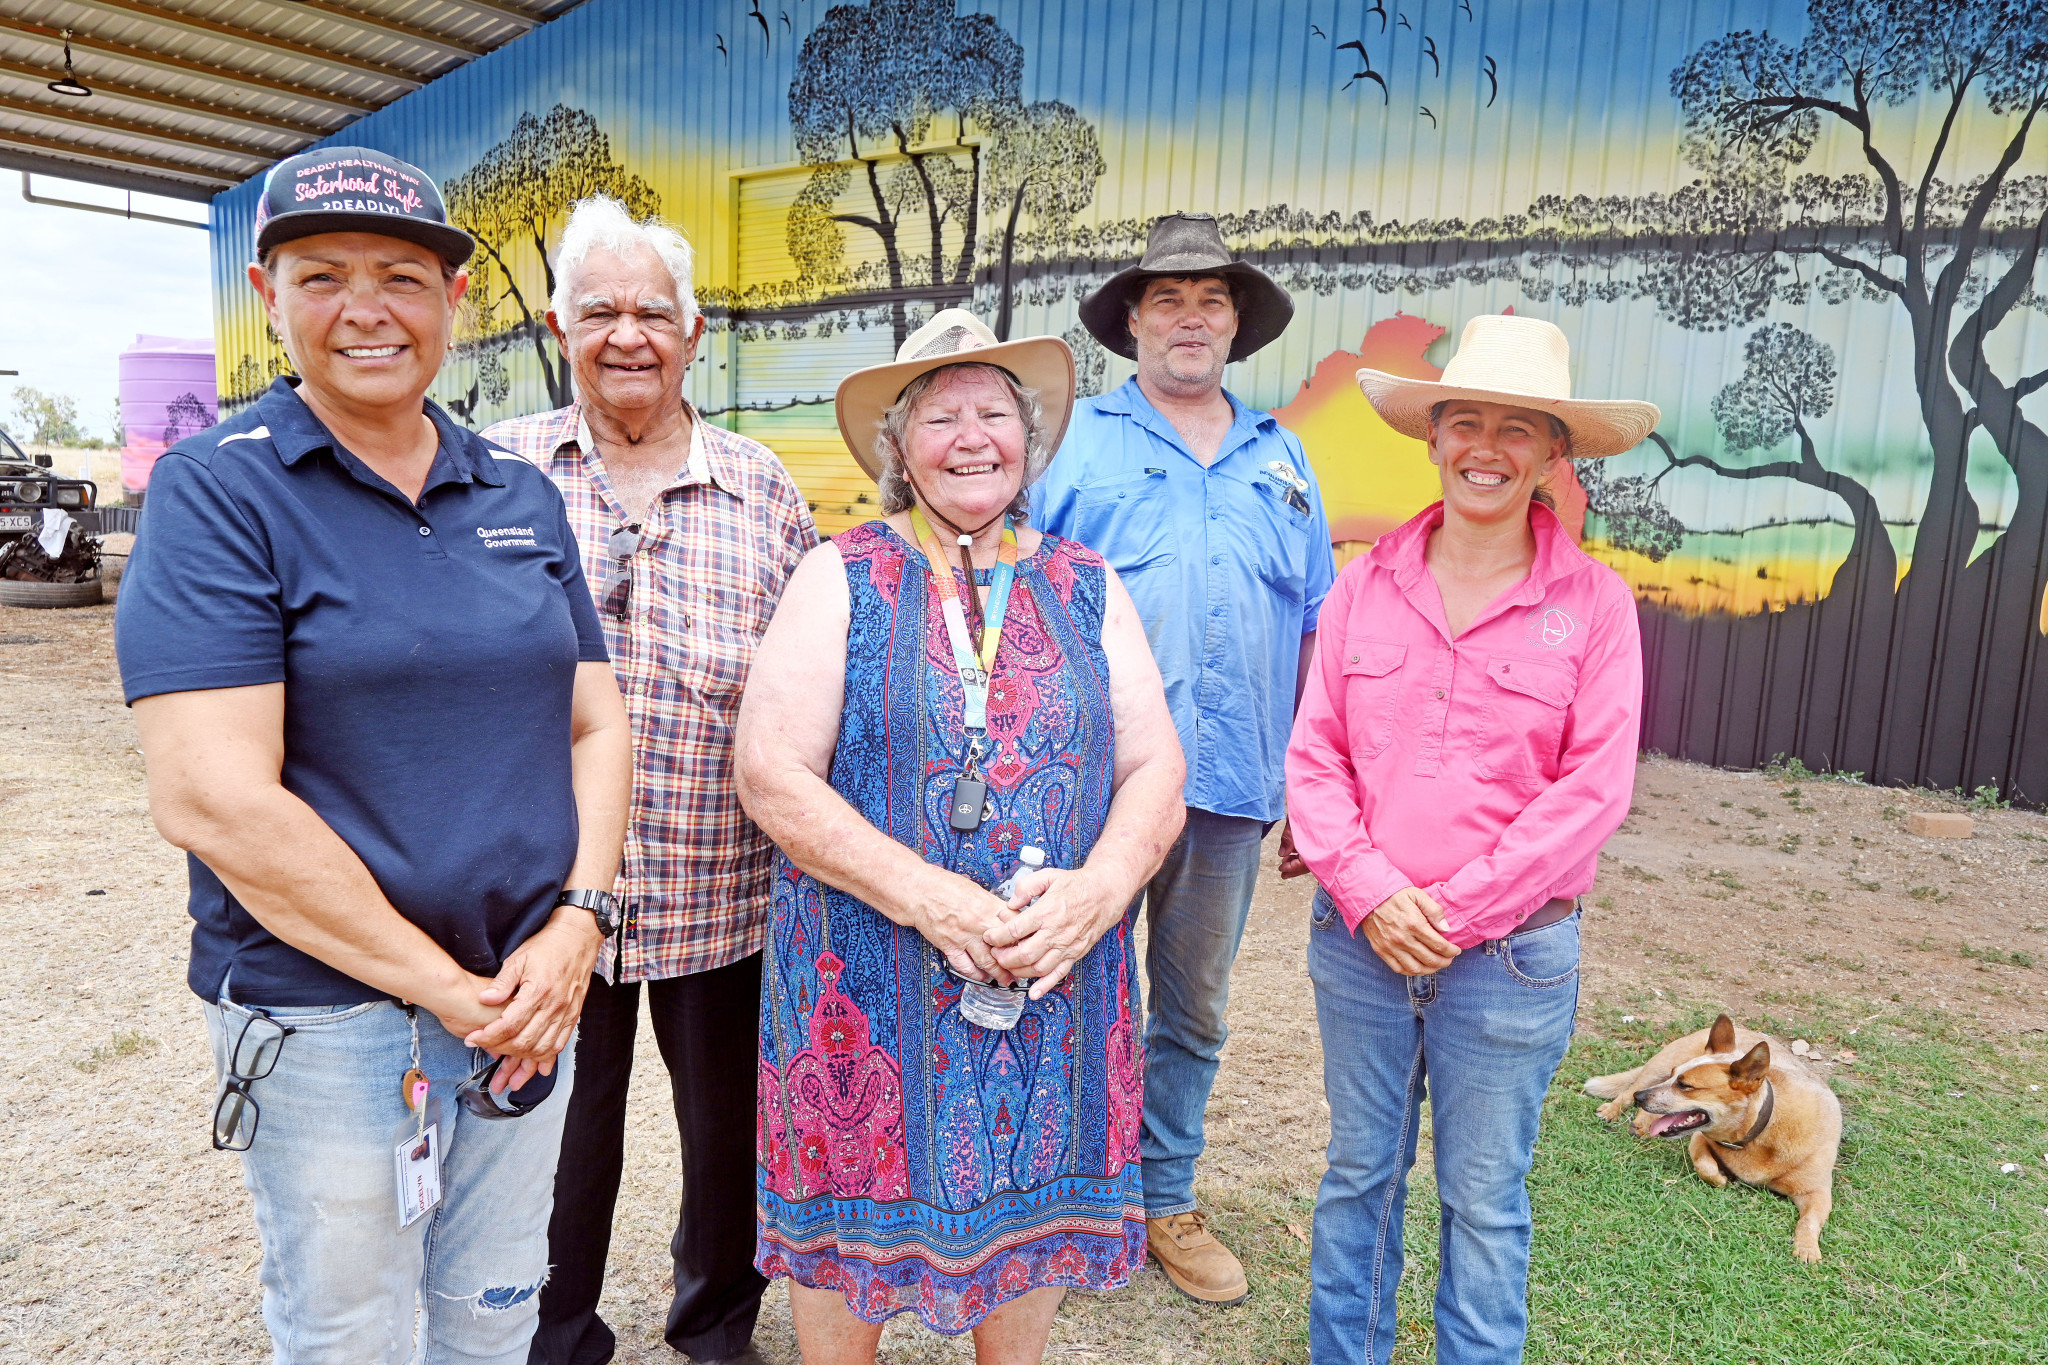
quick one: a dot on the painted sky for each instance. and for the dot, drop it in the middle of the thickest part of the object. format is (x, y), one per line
(1212, 104)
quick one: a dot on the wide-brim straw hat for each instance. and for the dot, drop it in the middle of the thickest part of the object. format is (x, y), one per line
(954, 336)
(1176, 247)
(1524, 363)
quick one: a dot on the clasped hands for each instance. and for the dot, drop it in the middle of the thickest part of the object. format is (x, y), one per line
(527, 1012)
(985, 939)
(1407, 931)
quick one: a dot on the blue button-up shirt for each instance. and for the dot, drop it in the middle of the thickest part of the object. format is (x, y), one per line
(1228, 566)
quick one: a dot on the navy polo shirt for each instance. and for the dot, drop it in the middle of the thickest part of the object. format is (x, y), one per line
(428, 655)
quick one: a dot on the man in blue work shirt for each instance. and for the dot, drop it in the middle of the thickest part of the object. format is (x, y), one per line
(1210, 514)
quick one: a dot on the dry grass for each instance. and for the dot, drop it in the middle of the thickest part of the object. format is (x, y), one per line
(126, 1239)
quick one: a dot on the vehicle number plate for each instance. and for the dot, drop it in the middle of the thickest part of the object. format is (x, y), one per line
(17, 523)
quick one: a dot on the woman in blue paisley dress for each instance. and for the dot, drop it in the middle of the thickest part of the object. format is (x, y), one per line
(911, 1160)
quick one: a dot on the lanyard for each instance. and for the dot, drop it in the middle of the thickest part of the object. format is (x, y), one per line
(974, 672)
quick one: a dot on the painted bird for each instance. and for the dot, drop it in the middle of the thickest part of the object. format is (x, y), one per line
(720, 45)
(761, 19)
(1379, 7)
(1466, 5)
(1429, 50)
(1431, 117)
(785, 21)
(1317, 31)
(1401, 21)
(1492, 74)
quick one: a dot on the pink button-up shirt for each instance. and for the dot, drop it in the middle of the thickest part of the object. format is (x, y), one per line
(1487, 770)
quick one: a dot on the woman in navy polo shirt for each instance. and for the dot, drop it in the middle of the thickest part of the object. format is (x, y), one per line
(374, 700)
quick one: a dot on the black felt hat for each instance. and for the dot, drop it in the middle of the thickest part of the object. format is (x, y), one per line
(356, 189)
(1183, 244)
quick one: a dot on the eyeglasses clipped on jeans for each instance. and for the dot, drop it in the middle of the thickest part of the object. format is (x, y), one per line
(616, 592)
(254, 1056)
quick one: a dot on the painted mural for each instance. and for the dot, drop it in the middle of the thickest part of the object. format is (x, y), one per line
(1812, 233)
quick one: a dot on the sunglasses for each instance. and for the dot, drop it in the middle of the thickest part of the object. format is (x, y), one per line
(616, 592)
(254, 1056)
(476, 1096)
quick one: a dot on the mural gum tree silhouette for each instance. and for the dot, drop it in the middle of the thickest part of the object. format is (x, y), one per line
(516, 195)
(1958, 255)
(886, 73)
(1046, 163)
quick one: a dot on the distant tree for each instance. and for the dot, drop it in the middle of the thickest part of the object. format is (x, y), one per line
(491, 387)
(120, 431)
(49, 419)
(1046, 163)
(1091, 361)
(516, 193)
(883, 73)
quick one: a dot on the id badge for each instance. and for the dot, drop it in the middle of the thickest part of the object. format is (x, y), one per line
(417, 1152)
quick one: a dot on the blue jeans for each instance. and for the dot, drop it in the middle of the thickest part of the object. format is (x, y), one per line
(1485, 1035)
(341, 1282)
(1195, 908)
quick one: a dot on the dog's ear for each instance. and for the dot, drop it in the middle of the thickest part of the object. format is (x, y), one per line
(1746, 1072)
(1721, 1038)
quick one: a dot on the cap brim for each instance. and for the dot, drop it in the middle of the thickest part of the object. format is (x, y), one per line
(1599, 426)
(1261, 317)
(1044, 365)
(451, 244)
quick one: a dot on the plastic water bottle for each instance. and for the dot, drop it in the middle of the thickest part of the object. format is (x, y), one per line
(983, 1002)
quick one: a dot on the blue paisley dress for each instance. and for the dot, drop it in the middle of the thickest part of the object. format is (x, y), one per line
(912, 1160)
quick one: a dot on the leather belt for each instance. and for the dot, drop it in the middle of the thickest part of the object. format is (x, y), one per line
(1548, 913)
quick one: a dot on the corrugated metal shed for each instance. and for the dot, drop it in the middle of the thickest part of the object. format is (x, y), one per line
(188, 97)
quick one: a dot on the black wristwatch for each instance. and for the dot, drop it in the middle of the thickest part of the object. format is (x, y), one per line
(602, 904)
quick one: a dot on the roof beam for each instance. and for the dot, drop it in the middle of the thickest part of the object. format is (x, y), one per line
(179, 66)
(112, 177)
(383, 27)
(156, 99)
(526, 20)
(245, 37)
(219, 179)
(77, 116)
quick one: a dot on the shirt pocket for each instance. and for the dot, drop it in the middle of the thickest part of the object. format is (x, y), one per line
(1372, 694)
(1522, 723)
(1281, 541)
(1128, 521)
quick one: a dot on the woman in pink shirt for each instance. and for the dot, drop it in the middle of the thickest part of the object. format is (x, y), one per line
(1466, 743)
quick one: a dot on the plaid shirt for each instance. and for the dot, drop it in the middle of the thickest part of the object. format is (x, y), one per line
(721, 541)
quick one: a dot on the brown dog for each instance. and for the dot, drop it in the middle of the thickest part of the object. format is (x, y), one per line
(1753, 1110)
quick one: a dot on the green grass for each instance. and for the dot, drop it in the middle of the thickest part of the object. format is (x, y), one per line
(125, 1043)
(1932, 1256)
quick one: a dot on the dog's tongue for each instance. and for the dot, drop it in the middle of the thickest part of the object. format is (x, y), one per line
(1664, 1123)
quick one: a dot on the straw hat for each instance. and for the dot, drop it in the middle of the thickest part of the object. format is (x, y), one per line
(954, 336)
(1523, 362)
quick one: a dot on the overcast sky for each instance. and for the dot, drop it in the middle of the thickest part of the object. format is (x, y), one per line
(76, 288)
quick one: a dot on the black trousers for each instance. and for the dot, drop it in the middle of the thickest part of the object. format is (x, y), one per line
(707, 1025)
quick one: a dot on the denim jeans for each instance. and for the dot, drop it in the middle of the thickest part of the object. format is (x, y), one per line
(1485, 1036)
(1195, 908)
(342, 1284)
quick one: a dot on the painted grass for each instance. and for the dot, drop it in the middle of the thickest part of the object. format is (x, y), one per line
(1932, 1255)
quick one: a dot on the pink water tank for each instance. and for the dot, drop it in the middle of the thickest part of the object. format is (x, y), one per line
(167, 393)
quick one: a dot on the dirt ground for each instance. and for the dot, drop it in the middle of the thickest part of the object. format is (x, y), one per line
(125, 1238)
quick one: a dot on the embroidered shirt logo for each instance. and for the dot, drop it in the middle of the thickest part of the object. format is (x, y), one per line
(1553, 627)
(495, 537)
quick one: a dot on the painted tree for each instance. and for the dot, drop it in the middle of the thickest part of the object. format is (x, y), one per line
(886, 73)
(516, 195)
(1955, 245)
(1046, 163)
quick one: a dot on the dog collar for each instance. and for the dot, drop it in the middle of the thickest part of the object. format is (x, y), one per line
(1763, 1119)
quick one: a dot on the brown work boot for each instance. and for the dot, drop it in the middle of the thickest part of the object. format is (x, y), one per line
(1199, 1266)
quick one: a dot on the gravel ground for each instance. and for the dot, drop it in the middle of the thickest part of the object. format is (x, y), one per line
(127, 1239)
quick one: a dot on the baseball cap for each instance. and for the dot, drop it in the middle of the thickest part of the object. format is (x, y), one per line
(355, 189)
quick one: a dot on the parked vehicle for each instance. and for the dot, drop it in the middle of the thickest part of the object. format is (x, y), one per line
(39, 511)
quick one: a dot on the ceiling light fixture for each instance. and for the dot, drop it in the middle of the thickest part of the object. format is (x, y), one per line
(70, 84)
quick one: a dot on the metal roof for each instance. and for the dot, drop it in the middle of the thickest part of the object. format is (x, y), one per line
(189, 97)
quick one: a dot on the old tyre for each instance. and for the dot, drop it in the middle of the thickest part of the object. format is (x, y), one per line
(23, 593)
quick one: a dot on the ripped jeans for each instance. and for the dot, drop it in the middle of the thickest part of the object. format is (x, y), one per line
(342, 1284)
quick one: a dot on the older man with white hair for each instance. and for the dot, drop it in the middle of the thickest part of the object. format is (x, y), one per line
(688, 534)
